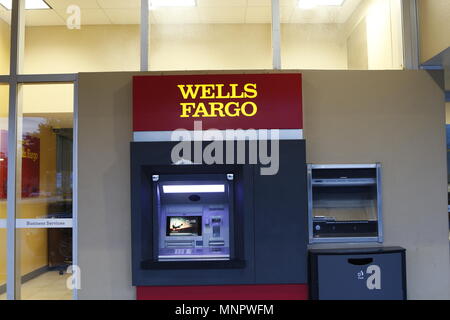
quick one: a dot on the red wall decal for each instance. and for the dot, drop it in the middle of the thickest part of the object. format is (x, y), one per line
(30, 165)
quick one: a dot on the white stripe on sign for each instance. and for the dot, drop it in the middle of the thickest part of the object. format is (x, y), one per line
(162, 136)
(43, 223)
(2, 223)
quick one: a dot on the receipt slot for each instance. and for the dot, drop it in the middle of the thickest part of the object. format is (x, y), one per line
(194, 214)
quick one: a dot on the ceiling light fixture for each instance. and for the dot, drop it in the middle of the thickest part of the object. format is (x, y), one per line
(172, 3)
(29, 4)
(309, 4)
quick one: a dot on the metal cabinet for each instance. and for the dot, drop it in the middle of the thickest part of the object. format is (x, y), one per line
(345, 203)
(358, 274)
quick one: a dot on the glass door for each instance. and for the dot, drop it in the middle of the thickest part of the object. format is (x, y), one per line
(45, 189)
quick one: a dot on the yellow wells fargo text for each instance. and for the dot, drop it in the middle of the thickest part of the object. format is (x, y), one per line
(214, 107)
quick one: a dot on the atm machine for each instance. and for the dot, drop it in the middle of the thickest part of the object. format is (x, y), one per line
(222, 226)
(194, 216)
(196, 225)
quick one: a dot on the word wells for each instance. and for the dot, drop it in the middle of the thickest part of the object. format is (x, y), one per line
(218, 100)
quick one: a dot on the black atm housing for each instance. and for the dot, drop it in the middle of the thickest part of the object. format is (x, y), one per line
(268, 232)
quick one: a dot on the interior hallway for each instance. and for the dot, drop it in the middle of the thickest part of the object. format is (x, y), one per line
(48, 286)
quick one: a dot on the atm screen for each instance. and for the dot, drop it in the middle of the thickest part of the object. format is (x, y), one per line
(184, 226)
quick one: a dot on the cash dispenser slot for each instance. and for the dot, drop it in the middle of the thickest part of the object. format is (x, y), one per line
(216, 243)
(180, 244)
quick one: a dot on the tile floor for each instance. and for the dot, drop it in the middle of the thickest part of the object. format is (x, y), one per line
(48, 286)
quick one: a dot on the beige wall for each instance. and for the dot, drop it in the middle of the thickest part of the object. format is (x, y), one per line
(239, 46)
(313, 46)
(4, 47)
(305, 46)
(48, 98)
(392, 117)
(374, 36)
(182, 47)
(104, 231)
(434, 24)
(357, 48)
(210, 47)
(56, 49)
(396, 118)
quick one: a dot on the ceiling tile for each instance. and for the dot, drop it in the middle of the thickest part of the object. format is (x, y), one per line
(5, 16)
(258, 15)
(222, 15)
(42, 18)
(124, 16)
(176, 15)
(88, 16)
(119, 4)
(64, 4)
(208, 11)
(325, 15)
(347, 9)
(222, 3)
(94, 16)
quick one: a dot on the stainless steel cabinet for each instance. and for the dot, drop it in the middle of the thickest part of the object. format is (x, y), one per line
(345, 203)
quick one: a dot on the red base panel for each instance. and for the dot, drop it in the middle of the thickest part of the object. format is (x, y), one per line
(234, 292)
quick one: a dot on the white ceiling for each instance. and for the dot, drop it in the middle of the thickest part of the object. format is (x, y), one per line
(207, 11)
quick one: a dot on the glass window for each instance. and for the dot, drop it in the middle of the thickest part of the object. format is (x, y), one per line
(44, 205)
(210, 35)
(83, 35)
(4, 97)
(352, 34)
(5, 39)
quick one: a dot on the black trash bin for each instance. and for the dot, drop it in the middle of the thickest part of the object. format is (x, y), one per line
(357, 274)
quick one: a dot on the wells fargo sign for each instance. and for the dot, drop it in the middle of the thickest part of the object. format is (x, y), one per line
(244, 101)
(212, 96)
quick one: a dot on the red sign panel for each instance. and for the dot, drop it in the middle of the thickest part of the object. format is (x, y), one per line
(31, 151)
(230, 292)
(242, 101)
(30, 165)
